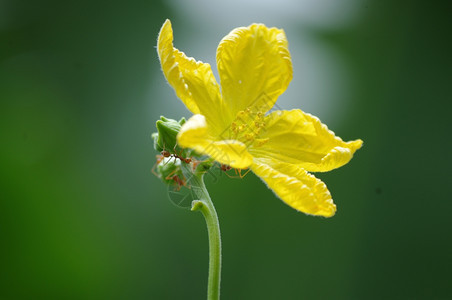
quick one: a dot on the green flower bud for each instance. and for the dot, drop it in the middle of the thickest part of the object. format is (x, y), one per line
(168, 168)
(165, 138)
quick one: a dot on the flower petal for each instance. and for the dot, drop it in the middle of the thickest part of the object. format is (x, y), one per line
(300, 138)
(192, 80)
(296, 187)
(254, 66)
(194, 134)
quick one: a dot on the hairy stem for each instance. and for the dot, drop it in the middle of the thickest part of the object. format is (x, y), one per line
(205, 205)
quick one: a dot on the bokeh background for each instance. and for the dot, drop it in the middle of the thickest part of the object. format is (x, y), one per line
(82, 217)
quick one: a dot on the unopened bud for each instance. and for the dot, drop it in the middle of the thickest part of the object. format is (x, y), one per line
(165, 137)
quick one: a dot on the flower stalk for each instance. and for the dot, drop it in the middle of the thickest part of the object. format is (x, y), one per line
(205, 205)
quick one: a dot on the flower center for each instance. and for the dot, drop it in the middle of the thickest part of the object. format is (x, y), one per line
(247, 127)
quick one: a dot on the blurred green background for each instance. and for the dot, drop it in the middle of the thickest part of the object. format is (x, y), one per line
(82, 217)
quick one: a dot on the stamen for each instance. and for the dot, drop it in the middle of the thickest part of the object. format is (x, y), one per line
(234, 127)
(248, 125)
(249, 136)
(242, 127)
(261, 142)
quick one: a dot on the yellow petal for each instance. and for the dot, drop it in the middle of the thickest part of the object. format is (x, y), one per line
(254, 66)
(193, 81)
(299, 138)
(194, 134)
(296, 187)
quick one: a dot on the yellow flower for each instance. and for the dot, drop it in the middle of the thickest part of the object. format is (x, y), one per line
(234, 126)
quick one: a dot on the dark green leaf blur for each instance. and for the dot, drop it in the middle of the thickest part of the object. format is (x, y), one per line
(83, 217)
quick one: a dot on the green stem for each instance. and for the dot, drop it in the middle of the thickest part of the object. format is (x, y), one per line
(205, 205)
